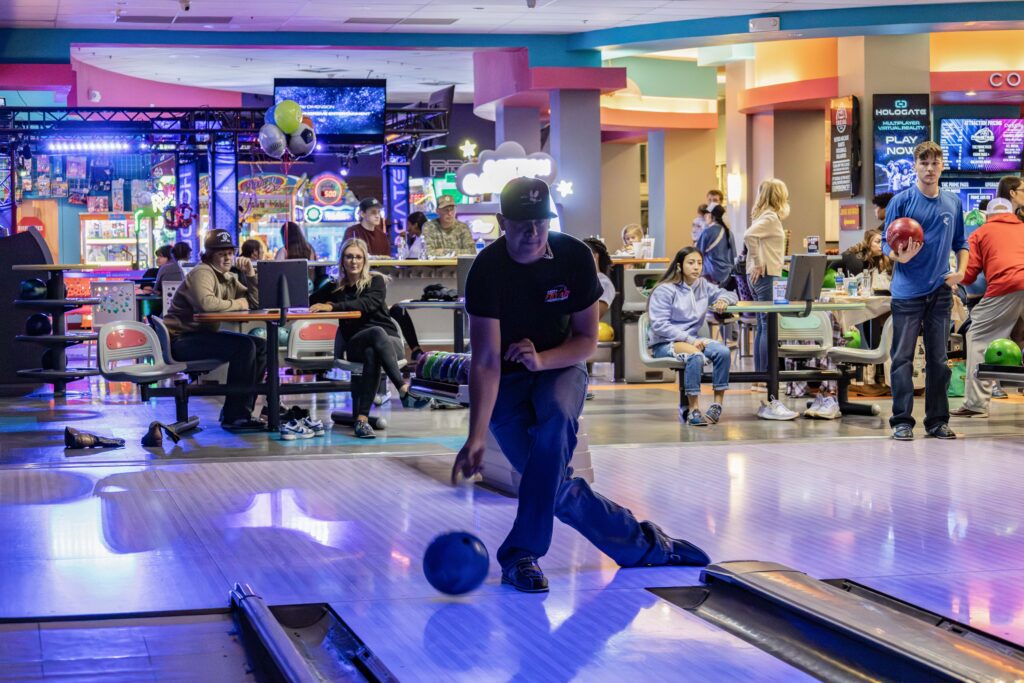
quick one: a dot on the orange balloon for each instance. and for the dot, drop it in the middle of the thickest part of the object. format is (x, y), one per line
(308, 121)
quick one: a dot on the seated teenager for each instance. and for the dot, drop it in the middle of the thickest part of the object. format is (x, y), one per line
(372, 339)
(245, 265)
(211, 287)
(603, 263)
(677, 308)
(172, 270)
(163, 255)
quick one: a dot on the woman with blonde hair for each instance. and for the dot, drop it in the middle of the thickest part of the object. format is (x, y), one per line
(631, 235)
(765, 243)
(372, 339)
(867, 255)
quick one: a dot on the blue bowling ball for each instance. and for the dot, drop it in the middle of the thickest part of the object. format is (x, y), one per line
(33, 288)
(259, 332)
(456, 562)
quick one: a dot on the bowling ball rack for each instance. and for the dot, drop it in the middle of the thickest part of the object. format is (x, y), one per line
(1005, 374)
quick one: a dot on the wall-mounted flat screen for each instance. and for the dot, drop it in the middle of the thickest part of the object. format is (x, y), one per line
(982, 145)
(971, 192)
(342, 110)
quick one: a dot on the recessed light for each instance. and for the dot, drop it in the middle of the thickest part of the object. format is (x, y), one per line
(207, 25)
(970, 93)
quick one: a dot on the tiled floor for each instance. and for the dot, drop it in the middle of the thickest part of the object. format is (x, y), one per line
(936, 523)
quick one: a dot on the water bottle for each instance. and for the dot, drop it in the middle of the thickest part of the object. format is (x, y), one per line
(840, 283)
(480, 244)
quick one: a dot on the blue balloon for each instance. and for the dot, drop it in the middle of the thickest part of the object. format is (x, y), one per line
(269, 116)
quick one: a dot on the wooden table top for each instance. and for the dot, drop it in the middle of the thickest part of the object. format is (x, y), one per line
(792, 307)
(58, 266)
(629, 261)
(272, 314)
(389, 263)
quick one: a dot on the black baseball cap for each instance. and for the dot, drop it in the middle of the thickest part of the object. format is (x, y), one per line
(526, 199)
(218, 239)
(368, 204)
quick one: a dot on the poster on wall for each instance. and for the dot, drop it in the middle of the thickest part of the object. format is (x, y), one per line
(76, 168)
(844, 147)
(901, 123)
(117, 195)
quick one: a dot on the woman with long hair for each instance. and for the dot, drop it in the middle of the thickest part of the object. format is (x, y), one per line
(717, 248)
(765, 242)
(372, 339)
(1011, 188)
(603, 263)
(296, 246)
(867, 255)
(677, 309)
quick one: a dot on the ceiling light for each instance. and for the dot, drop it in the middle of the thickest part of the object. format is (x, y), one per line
(970, 93)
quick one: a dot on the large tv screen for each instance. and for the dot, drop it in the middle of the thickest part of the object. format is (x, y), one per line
(982, 145)
(344, 111)
(971, 192)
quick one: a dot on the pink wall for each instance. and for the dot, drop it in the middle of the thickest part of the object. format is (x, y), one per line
(56, 77)
(126, 91)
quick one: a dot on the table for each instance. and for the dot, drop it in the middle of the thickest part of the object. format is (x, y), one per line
(458, 309)
(57, 305)
(274, 319)
(618, 278)
(874, 306)
(772, 376)
(390, 262)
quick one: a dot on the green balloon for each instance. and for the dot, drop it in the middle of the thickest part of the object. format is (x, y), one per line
(288, 116)
(1003, 352)
(830, 279)
(975, 218)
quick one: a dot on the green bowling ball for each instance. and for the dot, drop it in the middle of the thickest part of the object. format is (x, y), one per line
(428, 368)
(435, 370)
(1003, 352)
(853, 339)
(974, 219)
(830, 279)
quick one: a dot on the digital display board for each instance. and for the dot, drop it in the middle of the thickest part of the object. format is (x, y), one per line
(971, 192)
(344, 111)
(900, 123)
(982, 145)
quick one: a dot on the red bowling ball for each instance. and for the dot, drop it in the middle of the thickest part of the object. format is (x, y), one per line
(901, 231)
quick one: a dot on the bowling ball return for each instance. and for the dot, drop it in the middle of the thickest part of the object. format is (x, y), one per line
(1004, 374)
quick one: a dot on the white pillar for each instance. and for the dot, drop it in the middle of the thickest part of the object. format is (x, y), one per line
(576, 146)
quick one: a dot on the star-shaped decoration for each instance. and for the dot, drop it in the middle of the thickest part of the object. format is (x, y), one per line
(564, 188)
(468, 149)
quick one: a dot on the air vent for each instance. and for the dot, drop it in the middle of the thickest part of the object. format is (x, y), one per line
(322, 70)
(427, 22)
(372, 20)
(142, 19)
(182, 19)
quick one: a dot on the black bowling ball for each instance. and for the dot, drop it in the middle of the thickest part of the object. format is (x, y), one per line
(33, 288)
(38, 324)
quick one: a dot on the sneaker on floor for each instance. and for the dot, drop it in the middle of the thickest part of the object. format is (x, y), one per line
(526, 576)
(942, 432)
(244, 425)
(315, 426)
(696, 419)
(964, 411)
(998, 392)
(292, 430)
(816, 405)
(714, 413)
(903, 432)
(590, 396)
(382, 398)
(684, 413)
(668, 551)
(363, 430)
(775, 410)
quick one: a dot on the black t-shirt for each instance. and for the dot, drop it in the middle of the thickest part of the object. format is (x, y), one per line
(533, 301)
(371, 302)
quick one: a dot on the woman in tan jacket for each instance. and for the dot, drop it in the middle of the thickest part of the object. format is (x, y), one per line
(765, 242)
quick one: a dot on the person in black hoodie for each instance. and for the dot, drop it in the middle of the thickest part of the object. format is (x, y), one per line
(372, 339)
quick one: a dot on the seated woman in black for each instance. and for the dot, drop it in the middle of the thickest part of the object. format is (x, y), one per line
(372, 339)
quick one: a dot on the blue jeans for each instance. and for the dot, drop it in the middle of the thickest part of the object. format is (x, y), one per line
(245, 355)
(716, 352)
(927, 316)
(762, 292)
(535, 420)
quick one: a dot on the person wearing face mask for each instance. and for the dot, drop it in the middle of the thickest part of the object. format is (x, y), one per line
(448, 235)
(532, 297)
(211, 287)
(677, 308)
(372, 339)
(370, 228)
(765, 243)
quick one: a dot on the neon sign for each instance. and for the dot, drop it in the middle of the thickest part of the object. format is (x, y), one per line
(492, 171)
(329, 190)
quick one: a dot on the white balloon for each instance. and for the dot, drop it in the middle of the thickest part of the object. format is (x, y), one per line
(273, 141)
(302, 141)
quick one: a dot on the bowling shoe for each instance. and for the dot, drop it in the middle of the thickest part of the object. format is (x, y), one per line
(668, 551)
(942, 432)
(525, 576)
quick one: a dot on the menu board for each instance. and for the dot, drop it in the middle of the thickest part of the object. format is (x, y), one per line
(844, 147)
(901, 123)
(982, 145)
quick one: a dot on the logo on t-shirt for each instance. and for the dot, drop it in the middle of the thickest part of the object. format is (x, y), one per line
(559, 293)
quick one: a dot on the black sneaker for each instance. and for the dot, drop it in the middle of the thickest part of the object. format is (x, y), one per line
(525, 576)
(942, 432)
(244, 425)
(668, 551)
(903, 432)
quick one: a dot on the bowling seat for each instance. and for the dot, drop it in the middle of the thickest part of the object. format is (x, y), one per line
(664, 363)
(311, 345)
(805, 337)
(130, 351)
(845, 357)
(193, 368)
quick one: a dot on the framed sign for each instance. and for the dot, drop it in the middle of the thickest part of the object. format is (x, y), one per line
(849, 217)
(844, 147)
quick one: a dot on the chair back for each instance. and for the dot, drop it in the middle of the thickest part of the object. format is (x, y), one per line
(643, 328)
(127, 341)
(312, 339)
(815, 328)
(635, 290)
(167, 291)
(117, 302)
(163, 336)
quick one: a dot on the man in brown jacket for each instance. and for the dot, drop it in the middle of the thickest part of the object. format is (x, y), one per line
(211, 287)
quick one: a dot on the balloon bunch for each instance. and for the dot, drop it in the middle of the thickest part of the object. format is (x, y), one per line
(286, 131)
(178, 217)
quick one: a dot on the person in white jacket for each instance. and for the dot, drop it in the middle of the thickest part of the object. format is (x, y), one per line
(765, 242)
(677, 308)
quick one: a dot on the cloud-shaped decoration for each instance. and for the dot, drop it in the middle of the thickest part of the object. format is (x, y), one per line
(494, 168)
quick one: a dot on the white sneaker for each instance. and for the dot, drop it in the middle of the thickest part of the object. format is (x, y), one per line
(774, 410)
(290, 431)
(816, 405)
(828, 408)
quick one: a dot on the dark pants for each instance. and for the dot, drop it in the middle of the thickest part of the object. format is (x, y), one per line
(762, 292)
(926, 316)
(376, 350)
(404, 320)
(535, 420)
(245, 355)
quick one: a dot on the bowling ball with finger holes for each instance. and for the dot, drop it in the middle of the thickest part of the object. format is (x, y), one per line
(435, 369)
(463, 377)
(456, 562)
(38, 324)
(1003, 352)
(32, 289)
(445, 367)
(428, 367)
(903, 230)
(453, 371)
